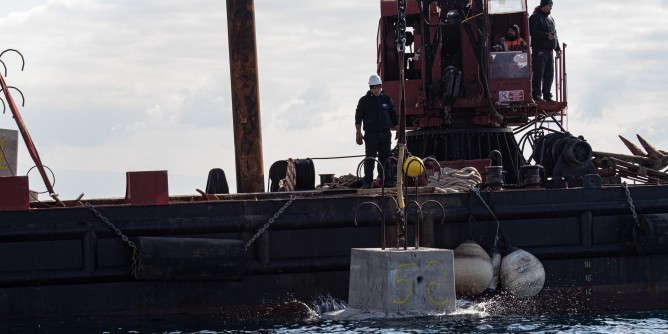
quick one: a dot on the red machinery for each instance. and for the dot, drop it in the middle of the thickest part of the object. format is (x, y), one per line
(460, 96)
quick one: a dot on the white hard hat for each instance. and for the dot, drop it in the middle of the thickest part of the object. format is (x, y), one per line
(375, 80)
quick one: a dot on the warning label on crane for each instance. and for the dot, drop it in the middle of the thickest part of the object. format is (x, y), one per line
(511, 96)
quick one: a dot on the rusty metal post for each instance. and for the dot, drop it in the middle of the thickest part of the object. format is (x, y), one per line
(245, 96)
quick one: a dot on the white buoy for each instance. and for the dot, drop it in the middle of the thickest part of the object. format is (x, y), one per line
(473, 269)
(522, 274)
(495, 257)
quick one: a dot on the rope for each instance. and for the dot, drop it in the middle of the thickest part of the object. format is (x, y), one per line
(341, 157)
(450, 180)
(498, 225)
(305, 177)
(290, 176)
(343, 182)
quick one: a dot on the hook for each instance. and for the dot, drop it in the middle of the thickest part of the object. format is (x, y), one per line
(382, 213)
(5, 66)
(23, 99)
(438, 166)
(4, 107)
(23, 61)
(417, 223)
(370, 203)
(382, 169)
(439, 204)
(53, 177)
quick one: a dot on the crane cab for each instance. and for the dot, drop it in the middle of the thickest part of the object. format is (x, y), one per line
(510, 66)
(509, 61)
(453, 74)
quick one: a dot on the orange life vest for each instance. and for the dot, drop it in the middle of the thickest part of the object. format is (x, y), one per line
(516, 45)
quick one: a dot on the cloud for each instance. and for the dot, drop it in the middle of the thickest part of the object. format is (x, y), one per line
(113, 86)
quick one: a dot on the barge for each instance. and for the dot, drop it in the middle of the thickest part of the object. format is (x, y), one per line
(602, 243)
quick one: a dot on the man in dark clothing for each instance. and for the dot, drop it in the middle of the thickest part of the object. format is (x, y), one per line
(543, 41)
(376, 113)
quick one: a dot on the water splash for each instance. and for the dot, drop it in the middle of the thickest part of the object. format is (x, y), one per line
(473, 308)
(327, 303)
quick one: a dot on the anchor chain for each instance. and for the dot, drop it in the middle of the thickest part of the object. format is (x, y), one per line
(271, 221)
(630, 201)
(135, 250)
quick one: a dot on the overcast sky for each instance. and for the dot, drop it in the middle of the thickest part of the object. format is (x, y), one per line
(123, 85)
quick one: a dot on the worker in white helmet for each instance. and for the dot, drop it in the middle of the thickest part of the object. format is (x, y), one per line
(377, 116)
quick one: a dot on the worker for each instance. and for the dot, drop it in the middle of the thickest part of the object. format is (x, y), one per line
(377, 116)
(511, 41)
(543, 41)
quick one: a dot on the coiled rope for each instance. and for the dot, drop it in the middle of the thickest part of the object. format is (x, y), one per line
(290, 176)
(449, 180)
(299, 175)
(343, 182)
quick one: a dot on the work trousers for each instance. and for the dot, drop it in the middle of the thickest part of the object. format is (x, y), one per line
(543, 73)
(376, 144)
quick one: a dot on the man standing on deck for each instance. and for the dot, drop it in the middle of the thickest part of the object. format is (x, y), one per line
(543, 41)
(377, 115)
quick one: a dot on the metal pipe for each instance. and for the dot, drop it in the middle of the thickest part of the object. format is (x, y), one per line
(245, 96)
(564, 74)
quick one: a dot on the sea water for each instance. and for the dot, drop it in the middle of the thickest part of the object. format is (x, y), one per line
(470, 318)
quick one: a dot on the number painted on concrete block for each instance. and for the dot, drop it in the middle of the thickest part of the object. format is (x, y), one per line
(433, 284)
(398, 279)
(437, 283)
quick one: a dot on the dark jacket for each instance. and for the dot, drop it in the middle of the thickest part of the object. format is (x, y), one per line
(376, 113)
(540, 24)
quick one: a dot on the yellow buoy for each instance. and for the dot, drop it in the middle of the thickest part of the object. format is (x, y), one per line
(413, 166)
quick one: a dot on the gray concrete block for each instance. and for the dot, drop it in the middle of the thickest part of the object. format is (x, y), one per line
(396, 281)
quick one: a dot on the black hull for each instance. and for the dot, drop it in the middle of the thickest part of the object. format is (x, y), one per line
(64, 261)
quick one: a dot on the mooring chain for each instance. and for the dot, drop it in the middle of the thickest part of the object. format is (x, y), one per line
(476, 191)
(630, 200)
(135, 250)
(271, 221)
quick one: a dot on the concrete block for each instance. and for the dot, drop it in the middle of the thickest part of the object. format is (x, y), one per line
(402, 281)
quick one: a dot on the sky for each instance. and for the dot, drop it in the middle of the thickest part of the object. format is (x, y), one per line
(134, 85)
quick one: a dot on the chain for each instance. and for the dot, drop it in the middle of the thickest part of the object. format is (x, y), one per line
(401, 26)
(271, 221)
(135, 250)
(498, 225)
(630, 200)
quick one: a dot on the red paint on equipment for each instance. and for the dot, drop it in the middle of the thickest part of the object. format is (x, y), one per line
(147, 188)
(15, 195)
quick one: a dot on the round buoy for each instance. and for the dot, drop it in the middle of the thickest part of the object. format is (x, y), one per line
(473, 269)
(495, 257)
(522, 274)
(413, 166)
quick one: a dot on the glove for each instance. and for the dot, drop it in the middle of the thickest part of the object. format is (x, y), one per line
(359, 139)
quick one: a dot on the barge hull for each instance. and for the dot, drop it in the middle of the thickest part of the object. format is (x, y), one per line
(64, 261)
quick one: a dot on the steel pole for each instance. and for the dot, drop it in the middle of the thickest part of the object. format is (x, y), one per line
(245, 96)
